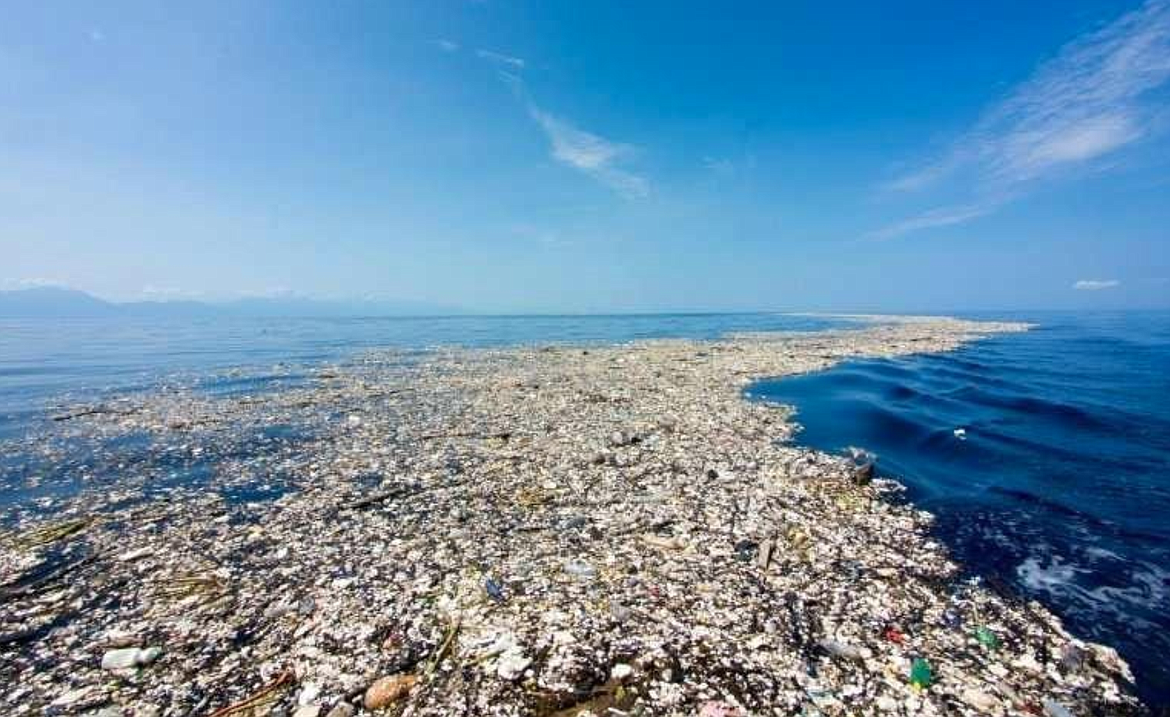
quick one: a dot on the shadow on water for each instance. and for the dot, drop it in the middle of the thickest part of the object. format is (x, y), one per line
(1045, 457)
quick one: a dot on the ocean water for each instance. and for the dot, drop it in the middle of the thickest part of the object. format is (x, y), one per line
(1045, 457)
(1057, 484)
(45, 363)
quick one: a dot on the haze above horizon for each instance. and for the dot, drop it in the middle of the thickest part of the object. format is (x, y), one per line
(516, 157)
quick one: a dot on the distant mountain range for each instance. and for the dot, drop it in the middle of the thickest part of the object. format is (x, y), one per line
(54, 302)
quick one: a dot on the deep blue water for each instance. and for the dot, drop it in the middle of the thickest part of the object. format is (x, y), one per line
(1058, 480)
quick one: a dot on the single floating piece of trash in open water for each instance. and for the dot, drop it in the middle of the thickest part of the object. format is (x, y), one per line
(960, 433)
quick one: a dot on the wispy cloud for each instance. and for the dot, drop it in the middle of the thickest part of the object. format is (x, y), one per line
(1095, 284)
(939, 217)
(501, 58)
(572, 146)
(270, 292)
(155, 292)
(447, 45)
(591, 154)
(152, 290)
(545, 237)
(1092, 99)
(719, 165)
(35, 282)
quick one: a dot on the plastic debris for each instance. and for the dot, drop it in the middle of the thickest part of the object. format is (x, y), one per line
(764, 554)
(1072, 658)
(494, 590)
(921, 675)
(986, 637)
(863, 465)
(843, 650)
(130, 657)
(1052, 708)
(480, 538)
(718, 709)
(580, 569)
(387, 690)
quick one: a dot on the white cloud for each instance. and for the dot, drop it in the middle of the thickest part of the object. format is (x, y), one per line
(1086, 102)
(447, 45)
(939, 217)
(1095, 284)
(1092, 99)
(546, 237)
(578, 149)
(591, 154)
(154, 292)
(1079, 141)
(720, 166)
(921, 177)
(270, 292)
(35, 282)
(502, 59)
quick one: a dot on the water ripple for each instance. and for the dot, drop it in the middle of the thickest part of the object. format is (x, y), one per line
(1045, 456)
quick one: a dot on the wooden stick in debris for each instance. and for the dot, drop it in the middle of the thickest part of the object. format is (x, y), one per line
(502, 435)
(52, 533)
(284, 678)
(92, 412)
(379, 497)
(446, 646)
(28, 584)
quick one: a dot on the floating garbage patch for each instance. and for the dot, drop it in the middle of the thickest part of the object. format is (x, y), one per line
(522, 531)
(130, 463)
(1032, 480)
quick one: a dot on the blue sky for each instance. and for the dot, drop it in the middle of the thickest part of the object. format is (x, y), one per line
(569, 156)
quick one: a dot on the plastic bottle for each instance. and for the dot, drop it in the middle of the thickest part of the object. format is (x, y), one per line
(921, 675)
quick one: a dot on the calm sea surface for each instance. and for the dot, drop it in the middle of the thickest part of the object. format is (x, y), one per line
(60, 361)
(1045, 455)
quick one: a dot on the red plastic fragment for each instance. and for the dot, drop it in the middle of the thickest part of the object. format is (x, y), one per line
(894, 635)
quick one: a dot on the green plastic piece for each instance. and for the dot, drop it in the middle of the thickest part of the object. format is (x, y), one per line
(920, 673)
(986, 638)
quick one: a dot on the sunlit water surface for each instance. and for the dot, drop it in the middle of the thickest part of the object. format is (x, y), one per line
(1045, 456)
